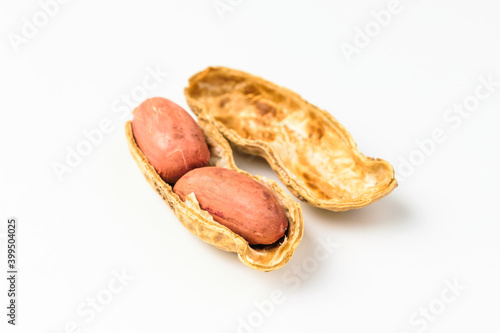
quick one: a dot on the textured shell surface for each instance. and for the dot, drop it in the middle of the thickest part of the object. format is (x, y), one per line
(201, 223)
(310, 151)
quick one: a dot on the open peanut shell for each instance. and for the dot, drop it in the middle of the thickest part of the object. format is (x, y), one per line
(310, 151)
(201, 223)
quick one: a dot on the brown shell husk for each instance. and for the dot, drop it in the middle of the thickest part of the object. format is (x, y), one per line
(310, 151)
(201, 223)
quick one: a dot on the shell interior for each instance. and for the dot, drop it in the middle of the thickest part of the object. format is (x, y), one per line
(311, 151)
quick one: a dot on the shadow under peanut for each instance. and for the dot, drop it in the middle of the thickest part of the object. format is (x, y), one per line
(387, 212)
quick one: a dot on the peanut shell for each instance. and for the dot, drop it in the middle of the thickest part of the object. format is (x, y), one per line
(310, 151)
(201, 223)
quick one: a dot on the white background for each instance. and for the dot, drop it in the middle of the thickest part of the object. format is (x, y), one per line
(393, 257)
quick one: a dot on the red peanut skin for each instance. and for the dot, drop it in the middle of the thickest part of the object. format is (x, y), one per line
(236, 201)
(169, 137)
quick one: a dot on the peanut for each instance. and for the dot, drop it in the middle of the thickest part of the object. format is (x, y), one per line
(169, 138)
(236, 201)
